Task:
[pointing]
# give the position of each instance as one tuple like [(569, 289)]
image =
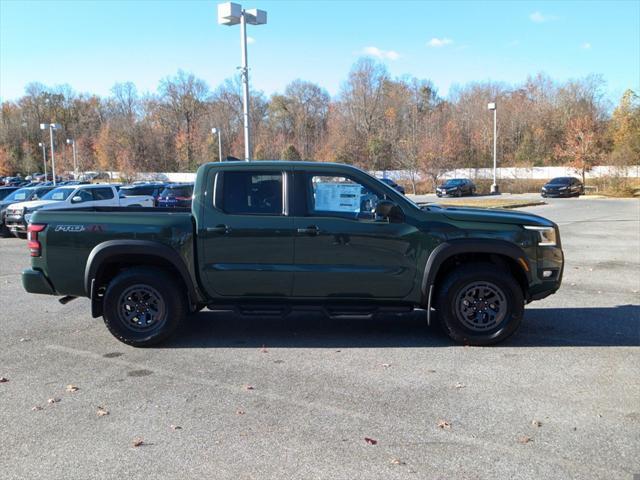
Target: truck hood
[(486, 215), (32, 204)]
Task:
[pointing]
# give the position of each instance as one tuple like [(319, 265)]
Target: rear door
[(103, 196), (341, 249), (245, 234)]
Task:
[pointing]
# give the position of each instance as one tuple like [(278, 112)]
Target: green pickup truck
[(271, 237)]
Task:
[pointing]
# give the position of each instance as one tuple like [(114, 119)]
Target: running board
[(338, 312)]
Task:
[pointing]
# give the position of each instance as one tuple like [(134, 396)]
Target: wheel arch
[(450, 254), (110, 257)]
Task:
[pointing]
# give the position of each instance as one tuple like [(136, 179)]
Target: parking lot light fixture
[(43, 145), (216, 131), (494, 187), (72, 142), (230, 13), (51, 127)]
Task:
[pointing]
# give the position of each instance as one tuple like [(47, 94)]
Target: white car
[(71, 196)]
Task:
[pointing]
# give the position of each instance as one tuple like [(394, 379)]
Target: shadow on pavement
[(548, 327)]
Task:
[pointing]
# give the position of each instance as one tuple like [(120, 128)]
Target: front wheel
[(143, 306), (479, 304)]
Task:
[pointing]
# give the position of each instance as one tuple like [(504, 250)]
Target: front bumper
[(34, 281), (16, 224)]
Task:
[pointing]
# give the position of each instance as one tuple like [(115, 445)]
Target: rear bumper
[(34, 281)]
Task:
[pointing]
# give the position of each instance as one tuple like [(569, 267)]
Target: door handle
[(310, 230), (223, 229)]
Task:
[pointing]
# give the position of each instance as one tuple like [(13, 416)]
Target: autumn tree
[(580, 147), (625, 130)]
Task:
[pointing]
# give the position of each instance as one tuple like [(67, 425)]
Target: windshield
[(19, 195), (561, 180), (58, 194), (452, 183)]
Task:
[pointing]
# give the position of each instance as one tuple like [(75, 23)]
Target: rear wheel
[(143, 306), (479, 304)]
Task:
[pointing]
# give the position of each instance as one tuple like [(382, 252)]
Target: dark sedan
[(563, 187), (177, 195), (153, 189), (456, 187), (393, 184)]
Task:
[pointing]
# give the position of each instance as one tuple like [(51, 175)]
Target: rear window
[(252, 193), (144, 190), (178, 191)]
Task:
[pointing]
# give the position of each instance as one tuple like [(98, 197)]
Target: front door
[(341, 249), (245, 235)]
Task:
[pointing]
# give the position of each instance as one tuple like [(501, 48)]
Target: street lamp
[(216, 131), (232, 14), (494, 187), (51, 127), (72, 142), (44, 158)]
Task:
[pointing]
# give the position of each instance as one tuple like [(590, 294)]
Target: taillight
[(183, 199), (32, 237)]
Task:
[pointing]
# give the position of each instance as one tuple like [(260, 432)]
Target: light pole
[(44, 158), (494, 187), (51, 127), (232, 14), (72, 142), (216, 131)]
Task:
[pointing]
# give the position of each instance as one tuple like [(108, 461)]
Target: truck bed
[(71, 235)]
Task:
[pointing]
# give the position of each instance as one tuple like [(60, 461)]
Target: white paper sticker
[(338, 197)]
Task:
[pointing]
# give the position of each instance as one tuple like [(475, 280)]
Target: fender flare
[(114, 248), (454, 247)]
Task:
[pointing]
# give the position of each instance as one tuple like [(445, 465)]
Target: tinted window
[(4, 192), (102, 193), (146, 190), (561, 180), (341, 197), (85, 196), (252, 193), (178, 191)]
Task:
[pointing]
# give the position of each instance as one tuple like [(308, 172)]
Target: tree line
[(375, 122)]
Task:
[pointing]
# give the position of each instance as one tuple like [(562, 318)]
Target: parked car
[(19, 195), (456, 187), (152, 189), (176, 195), (269, 237), (17, 216), (563, 187), (393, 184)]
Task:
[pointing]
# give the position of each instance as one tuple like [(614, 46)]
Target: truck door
[(245, 234), (341, 249)]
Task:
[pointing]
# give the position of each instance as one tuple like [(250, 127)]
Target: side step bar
[(332, 311)]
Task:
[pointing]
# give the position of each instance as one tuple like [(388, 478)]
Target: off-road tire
[(140, 285), (452, 292)]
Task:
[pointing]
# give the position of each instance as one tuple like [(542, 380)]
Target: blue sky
[(91, 45)]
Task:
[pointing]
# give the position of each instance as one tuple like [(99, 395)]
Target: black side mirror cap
[(390, 211)]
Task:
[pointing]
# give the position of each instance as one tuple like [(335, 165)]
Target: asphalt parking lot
[(248, 398)]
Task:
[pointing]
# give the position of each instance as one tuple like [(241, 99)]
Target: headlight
[(546, 235), (563, 188)]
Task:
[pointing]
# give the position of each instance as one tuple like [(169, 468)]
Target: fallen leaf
[(53, 400), (3, 380), (370, 441), (536, 423), (264, 349), (102, 412), (137, 442), (431, 370), (239, 412), (249, 387), (385, 365), (443, 424), (24, 339), (36, 408), (175, 427), (72, 388), (397, 461), (524, 439), (460, 385)]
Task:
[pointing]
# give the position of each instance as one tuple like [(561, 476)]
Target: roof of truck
[(279, 163)]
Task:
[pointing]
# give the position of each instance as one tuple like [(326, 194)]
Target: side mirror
[(389, 211), (76, 199)]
